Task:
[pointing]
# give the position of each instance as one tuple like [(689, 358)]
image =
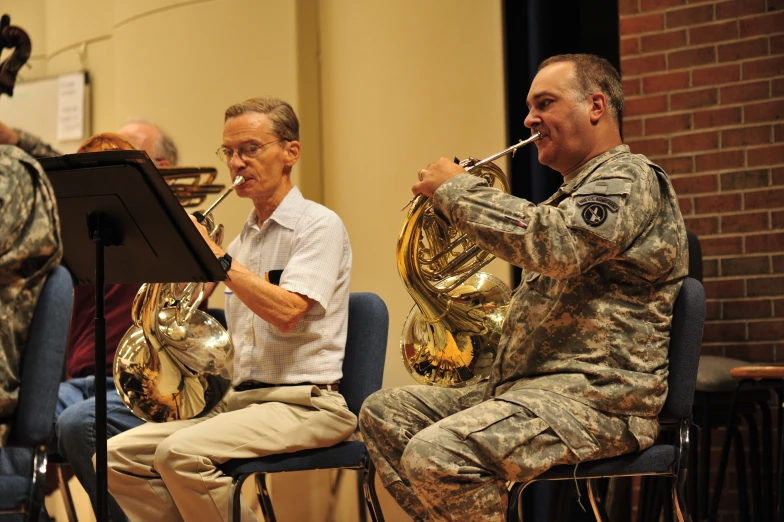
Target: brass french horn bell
[(450, 337), (175, 361)]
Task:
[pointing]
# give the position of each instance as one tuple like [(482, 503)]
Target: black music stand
[(121, 223)]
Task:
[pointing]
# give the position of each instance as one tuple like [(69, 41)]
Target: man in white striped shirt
[(287, 311)]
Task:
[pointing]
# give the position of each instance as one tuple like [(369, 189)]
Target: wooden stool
[(712, 399), (760, 378)]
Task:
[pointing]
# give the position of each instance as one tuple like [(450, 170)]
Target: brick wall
[(704, 83)]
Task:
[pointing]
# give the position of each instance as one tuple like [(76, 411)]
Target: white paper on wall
[(70, 107)]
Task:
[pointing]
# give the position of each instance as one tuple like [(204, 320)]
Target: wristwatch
[(225, 261)]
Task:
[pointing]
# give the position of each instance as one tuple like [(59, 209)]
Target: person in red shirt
[(74, 436)]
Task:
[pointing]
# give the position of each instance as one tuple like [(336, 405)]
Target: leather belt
[(255, 385)]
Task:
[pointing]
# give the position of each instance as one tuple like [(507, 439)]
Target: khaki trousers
[(168, 471)]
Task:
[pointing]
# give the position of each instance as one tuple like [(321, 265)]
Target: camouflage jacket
[(603, 260), (35, 146), (30, 247)]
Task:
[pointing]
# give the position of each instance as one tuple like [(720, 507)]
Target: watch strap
[(225, 261)]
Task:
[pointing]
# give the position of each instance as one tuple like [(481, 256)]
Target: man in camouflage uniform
[(30, 248), (581, 372)]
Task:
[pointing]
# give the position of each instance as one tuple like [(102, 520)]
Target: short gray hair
[(282, 117), (165, 147), (594, 74)]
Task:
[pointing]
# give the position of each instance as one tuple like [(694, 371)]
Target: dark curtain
[(533, 31)]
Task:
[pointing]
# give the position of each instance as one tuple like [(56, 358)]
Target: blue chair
[(23, 461), (662, 459), (363, 371)]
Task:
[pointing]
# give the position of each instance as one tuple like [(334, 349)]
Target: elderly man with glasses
[(287, 311)]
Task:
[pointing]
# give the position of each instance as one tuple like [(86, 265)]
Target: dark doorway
[(533, 31)]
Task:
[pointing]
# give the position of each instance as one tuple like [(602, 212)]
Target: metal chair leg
[(596, 503), (371, 498), (360, 496), (704, 467), (65, 493), (767, 462), (679, 505), (740, 473), (693, 478), (725, 453), (235, 498), (754, 465), (514, 504), (36, 503), (264, 498), (780, 468)]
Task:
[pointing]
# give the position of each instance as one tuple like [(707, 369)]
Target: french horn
[(175, 361), (450, 337)]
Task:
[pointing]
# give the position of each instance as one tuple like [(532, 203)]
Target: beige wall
[(400, 88), (382, 89)]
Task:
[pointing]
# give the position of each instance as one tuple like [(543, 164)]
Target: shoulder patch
[(594, 214)]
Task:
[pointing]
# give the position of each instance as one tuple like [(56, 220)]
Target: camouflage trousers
[(446, 455)]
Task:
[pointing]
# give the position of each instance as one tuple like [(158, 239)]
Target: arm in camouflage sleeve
[(16, 197), (35, 146), (596, 222)]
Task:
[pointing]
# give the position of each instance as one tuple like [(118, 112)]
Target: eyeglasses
[(246, 151)]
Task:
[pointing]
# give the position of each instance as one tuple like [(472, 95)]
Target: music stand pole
[(103, 234)]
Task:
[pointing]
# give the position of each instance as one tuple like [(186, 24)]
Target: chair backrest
[(688, 320), (42, 361), (366, 347), (695, 256)]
